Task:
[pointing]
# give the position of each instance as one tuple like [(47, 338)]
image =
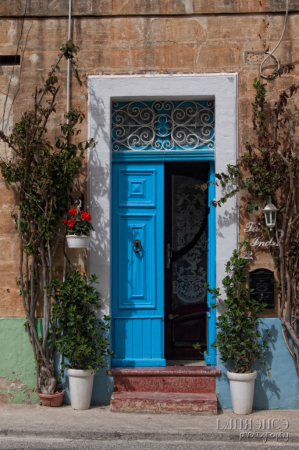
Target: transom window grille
[(163, 125)]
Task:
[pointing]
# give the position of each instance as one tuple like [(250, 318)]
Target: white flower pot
[(80, 383), (241, 391), (74, 241)]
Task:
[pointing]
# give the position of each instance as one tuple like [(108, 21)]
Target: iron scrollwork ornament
[(163, 125)]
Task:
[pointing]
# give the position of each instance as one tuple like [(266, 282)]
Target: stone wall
[(126, 45), (56, 8), (129, 37)]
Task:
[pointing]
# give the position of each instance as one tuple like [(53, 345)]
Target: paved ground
[(64, 444), (37, 427)]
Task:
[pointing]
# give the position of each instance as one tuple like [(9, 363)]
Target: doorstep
[(171, 389)]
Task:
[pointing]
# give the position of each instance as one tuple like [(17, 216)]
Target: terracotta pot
[(74, 241), (51, 400)]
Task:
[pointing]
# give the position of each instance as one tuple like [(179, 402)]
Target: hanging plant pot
[(80, 383), (241, 391), (74, 241), (51, 400)]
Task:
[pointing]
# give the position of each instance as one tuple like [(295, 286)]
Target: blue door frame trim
[(210, 354), (160, 155), (201, 155)]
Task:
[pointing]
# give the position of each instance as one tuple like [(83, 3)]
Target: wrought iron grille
[(163, 125)]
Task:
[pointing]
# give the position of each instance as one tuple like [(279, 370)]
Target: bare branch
[(31, 323)]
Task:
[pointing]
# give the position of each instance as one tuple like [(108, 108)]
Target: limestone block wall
[(126, 37)]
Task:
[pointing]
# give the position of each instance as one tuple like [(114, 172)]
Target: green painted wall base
[(17, 368)]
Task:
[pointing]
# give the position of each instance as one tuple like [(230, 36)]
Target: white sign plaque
[(251, 227)]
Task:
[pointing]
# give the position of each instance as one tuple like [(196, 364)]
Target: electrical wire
[(269, 54)]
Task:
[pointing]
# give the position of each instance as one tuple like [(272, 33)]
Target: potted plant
[(238, 340), (52, 399), (78, 228), (81, 336)]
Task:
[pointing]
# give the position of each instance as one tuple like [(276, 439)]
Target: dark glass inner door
[(185, 240)]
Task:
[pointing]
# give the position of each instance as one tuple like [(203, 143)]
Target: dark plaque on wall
[(262, 281)]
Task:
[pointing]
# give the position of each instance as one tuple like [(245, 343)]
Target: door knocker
[(136, 243)]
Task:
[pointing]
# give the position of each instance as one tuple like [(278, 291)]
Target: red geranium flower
[(71, 222), (72, 211), (86, 216), (64, 222), (82, 212)]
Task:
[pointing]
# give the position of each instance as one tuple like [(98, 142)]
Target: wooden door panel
[(185, 291), (136, 282), (137, 270), (189, 330)]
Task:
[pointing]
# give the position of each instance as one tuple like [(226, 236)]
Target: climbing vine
[(238, 340), (269, 168), (41, 171)]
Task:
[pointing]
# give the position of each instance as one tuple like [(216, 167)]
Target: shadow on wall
[(281, 391), (266, 387), (224, 220), (99, 191)]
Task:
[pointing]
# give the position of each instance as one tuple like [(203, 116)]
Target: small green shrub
[(238, 339), (81, 336)]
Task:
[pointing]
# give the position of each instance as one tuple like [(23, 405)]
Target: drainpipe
[(68, 62), (68, 103), (67, 110)]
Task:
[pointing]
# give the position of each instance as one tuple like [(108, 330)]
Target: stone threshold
[(185, 371)]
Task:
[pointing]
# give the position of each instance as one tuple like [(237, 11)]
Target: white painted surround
[(102, 90)]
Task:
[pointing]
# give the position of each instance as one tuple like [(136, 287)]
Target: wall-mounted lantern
[(270, 214)]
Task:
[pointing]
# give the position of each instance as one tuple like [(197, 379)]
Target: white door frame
[(223, 88)]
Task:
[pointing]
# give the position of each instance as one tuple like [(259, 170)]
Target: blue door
[(138, 264)]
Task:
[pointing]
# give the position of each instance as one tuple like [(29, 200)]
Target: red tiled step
[(157, 402), (191, 379)]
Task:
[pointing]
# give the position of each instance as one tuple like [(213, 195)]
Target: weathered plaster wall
[(17, 368), (126, 37)]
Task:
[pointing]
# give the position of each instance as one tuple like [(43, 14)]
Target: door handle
[(168, 256), (136, 243), (171, 316)]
